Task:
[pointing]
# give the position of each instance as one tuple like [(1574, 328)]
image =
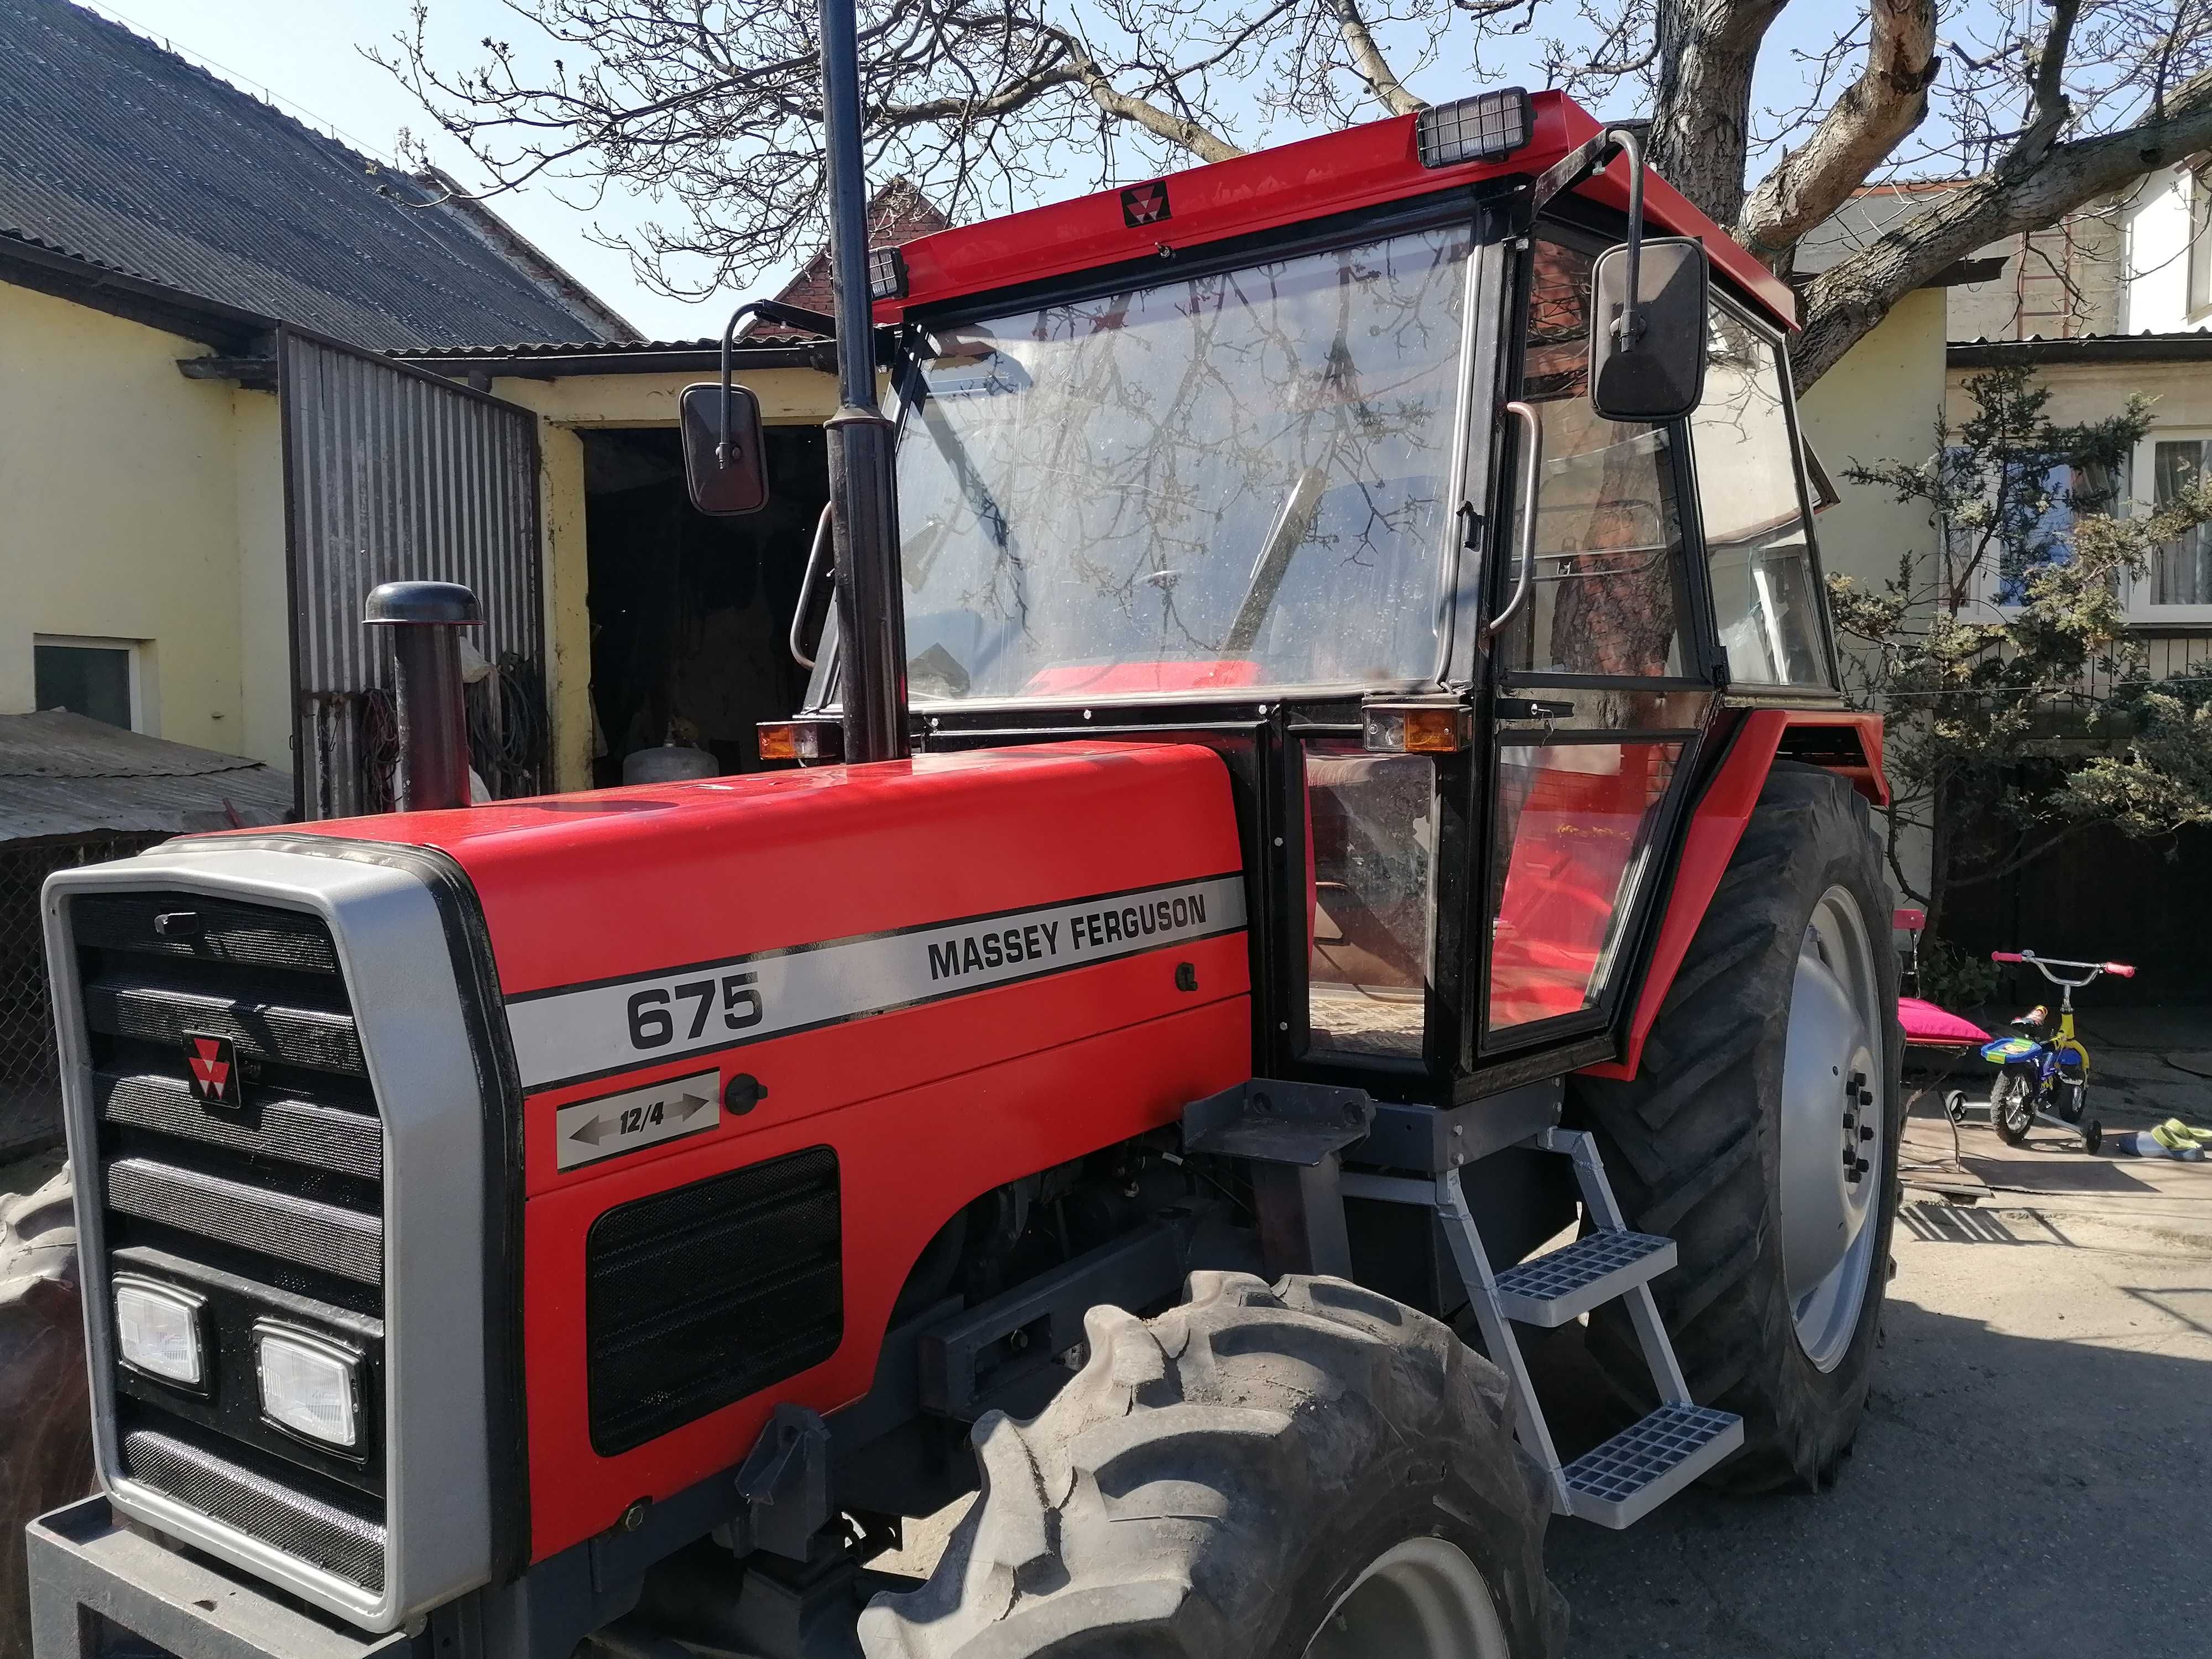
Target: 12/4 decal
[(572, 1033), (590, 1130)]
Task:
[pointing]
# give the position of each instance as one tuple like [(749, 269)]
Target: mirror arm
[(1594, 156), (806, 586), (1532, 463), (1630, 328), (798, 317)]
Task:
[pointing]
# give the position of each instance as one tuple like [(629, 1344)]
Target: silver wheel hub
[(1835, 1115), (1422, 1599)]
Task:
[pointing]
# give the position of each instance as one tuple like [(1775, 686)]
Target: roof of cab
[(1339, 172)]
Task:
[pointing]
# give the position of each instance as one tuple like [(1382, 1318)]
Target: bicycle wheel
[(2012, 1108)]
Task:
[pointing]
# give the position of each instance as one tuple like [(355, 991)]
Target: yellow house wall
[(566, 408), (264, 598), (2180, 393), (1879, 403), (121, 484)]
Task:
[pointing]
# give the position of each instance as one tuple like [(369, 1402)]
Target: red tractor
[(1330, 838)]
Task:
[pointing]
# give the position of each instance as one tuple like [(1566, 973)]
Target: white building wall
[(2155, 298)]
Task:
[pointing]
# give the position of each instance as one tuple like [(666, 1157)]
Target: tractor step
[(1552, 1289), (1620, 1482), (1642, 1465)]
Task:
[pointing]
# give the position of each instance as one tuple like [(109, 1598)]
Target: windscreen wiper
[(1293, 524)]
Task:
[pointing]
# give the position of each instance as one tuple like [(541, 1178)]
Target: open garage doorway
[(691, 616)]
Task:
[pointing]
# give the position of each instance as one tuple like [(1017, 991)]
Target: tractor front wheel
[(1306, 1469), (1761, 1135)]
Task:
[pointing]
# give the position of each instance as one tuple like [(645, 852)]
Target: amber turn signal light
[(1400, 728), (802, 740)]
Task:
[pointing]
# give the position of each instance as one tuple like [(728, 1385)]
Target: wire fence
[(30, 1073)]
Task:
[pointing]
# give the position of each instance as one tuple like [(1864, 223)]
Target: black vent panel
[(336, 1539), (697, 1297)]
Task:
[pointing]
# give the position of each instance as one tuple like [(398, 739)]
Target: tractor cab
[(1362, 463)]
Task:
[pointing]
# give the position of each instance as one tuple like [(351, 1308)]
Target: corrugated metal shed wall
[(391, 475)]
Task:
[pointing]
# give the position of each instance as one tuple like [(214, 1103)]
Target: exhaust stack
[(426, 619)]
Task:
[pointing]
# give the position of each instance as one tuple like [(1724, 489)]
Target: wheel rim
[(1420, 1599), (1835, 1123)]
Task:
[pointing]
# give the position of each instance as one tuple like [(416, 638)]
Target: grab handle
[(1532, 461), (806, 586)]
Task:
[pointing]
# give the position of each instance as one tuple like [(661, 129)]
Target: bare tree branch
[(2037, 184), (1865, 125), (1367, 59)]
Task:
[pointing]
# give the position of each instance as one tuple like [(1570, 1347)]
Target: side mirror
[(725, 464), (1647, 357)]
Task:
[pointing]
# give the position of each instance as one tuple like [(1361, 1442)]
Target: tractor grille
[(267, 1205), (699, 1296)]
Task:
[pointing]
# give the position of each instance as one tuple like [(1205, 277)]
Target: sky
[(305, 58)]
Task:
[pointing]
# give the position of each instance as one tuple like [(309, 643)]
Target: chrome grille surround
[(410, 1034)]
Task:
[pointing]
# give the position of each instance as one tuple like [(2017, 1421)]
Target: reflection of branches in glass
[(1605, 505), (1140, 457)]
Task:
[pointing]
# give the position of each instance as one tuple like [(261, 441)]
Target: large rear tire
[(45, 1424), (1258, 1473), (1734, 1140)]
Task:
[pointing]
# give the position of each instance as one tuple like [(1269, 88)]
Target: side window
[(1764, 597), (1371, 915), (1606, 529)]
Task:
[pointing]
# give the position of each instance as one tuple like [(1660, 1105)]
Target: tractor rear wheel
[(1760, 1133), (1306, 1469)]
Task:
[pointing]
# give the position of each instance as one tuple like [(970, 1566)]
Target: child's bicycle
[(2043, 1075)]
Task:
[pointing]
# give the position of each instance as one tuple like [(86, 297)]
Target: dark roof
[(1869, 212), (64, 774), (553, 360), (124, 158), (2184, 346)]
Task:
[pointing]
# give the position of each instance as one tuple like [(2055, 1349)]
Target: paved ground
[(2033, 1474), (2031, 1478)]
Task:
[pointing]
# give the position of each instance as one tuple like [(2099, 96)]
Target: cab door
[(1601, 679)]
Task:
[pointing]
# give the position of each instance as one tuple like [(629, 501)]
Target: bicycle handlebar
[(2045, 964)]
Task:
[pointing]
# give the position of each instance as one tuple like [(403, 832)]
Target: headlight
[(308, 1385), (157, 1328), (1486, 128)]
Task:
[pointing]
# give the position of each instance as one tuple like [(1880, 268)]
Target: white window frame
[(2141, 498), (145, 718)]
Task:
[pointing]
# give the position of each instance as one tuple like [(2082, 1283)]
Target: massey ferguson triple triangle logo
[(212, 1063), (1145, 204)]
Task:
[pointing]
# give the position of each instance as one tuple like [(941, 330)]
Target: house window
[(95, 677), (2180, 572)]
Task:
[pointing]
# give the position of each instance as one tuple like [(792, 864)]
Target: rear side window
[(1765, 600)]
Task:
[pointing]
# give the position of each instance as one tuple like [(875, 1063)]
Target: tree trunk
[(1701, 124)]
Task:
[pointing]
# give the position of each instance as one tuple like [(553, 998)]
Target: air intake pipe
[(426, 619)]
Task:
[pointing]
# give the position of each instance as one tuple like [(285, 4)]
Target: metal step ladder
[(1619, 1482)]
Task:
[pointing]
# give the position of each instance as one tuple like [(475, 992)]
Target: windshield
[(1241, 479)]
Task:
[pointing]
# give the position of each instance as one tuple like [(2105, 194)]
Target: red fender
[(1715, 825)]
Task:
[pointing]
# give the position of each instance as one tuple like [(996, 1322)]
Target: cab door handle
[(1532, 461)]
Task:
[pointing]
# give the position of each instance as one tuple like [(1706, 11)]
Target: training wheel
[(2092, 1135), (1954, 1105)]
